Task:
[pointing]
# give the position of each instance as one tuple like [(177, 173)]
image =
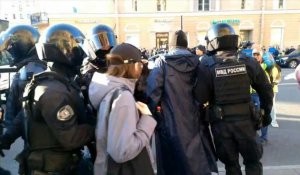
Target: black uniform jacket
[(204, 90)]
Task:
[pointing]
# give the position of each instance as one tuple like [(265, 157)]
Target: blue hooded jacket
[(183, 146)]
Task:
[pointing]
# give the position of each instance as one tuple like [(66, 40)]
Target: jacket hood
[(182, 60), (102, 84)]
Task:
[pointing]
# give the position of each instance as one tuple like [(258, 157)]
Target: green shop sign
[(228, 21)]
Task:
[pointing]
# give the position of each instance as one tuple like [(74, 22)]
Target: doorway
[(162, 40)]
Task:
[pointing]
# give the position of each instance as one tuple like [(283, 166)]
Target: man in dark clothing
[(183, 147), (18, 42), (223, 89), (101, 40), (56, 124), (26, 68)]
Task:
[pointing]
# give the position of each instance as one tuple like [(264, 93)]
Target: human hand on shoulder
[(143, 108)]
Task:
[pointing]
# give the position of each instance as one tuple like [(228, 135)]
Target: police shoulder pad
[(65, 113)]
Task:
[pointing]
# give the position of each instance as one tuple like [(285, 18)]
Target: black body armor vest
[(231, 89), (231, 82)]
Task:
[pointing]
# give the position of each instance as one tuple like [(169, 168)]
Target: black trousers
[(238, 137)]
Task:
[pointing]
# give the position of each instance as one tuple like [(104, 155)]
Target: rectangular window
[(201, 37), (243, 4), (247, 4), (203, 5), (161, 5), (133, 39), (162, 40), (277, 37), (134, 5), (246, 35), (280, 4)]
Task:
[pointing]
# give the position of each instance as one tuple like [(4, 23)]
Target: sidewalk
[(274, 170)]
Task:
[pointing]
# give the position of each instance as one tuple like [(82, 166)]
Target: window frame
[(161, 5), (243, 4), (134, 5), (204, 5), (134, 35), (277, 6)]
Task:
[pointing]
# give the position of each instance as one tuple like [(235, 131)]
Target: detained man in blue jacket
[(183, 145)]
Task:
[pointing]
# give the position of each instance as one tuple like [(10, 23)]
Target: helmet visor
[(4, 42), (5, 58), (16, 44), (219, 30), (103, 40)]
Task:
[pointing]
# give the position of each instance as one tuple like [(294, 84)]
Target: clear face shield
[(219, 30), (103, 40), (221, 37), (5, 56), (15, 46)]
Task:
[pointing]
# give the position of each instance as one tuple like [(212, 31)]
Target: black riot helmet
[(17, 41), (61, 44), (221, 37)]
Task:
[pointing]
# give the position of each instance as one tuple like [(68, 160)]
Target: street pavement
[(281, 153)]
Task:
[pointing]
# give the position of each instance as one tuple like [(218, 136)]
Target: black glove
[(1, 153), (266, 120), (4, 143)]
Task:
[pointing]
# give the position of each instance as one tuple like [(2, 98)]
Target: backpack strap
[(116, 93)]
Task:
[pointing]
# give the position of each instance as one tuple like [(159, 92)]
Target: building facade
[(17, 11), (149, 23)]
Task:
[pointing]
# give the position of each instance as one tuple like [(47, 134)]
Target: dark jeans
[(234, 137)]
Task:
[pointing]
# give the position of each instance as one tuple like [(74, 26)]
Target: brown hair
[(117, 68)]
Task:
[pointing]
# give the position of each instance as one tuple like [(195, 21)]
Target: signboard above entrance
[(228, 21)]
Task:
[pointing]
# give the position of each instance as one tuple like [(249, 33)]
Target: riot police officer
[(55, 120), (223, 88), (18, 45), (101, 39), (19, 42)]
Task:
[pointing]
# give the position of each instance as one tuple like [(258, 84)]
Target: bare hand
[(143, 108)]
